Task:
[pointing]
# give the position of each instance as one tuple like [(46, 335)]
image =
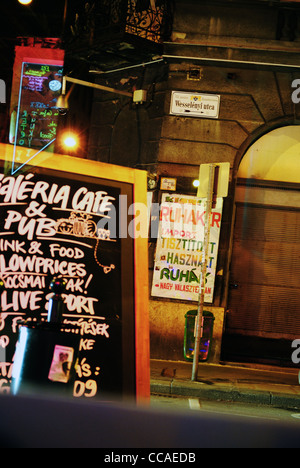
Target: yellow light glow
[(275, 156), (70, 141), (25, 2)]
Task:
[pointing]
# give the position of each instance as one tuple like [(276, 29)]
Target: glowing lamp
[(70, 141), (25, 2)]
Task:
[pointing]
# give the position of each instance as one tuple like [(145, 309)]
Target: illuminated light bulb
[(70, 141), (196, 183), (25, 2)]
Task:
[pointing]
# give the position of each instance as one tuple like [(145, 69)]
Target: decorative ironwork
[(115, 33), (150, 19)]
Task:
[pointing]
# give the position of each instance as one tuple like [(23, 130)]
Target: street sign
[(195, 105), (221, 180), (168, 184)]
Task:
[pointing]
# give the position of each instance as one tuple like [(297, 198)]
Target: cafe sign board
[(72, 218), (195, 105)]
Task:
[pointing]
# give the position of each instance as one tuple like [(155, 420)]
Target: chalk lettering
[(20, 300), (83, 369), (91, 202), (57, 250), (75, 285), (42, 221), (14, 190), (86, 345), (44, 227), (41, 265), (25, 282), (13, 245), (80, 304), (90, 327), (87, 389)]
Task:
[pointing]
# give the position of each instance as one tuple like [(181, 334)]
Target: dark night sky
[(41, 18)]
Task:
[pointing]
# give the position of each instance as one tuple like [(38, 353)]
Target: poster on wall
[(179, 251)]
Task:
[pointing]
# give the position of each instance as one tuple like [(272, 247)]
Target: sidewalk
[(277, 387)]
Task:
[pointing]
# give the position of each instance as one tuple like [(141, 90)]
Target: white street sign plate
[(195, 105)]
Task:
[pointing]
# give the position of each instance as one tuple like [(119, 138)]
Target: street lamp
[(25, 2)]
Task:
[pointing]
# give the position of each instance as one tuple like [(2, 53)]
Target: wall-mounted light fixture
[(62, 102), (139, 96)]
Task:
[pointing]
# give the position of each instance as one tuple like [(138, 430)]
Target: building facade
[(248, 54)]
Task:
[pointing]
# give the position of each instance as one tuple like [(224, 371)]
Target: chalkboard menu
[(37, 116), (74, 225)]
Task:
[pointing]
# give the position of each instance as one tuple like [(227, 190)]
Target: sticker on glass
[(61, 365)]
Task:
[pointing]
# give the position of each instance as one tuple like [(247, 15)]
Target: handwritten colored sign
[(179, 253), (37, 115)]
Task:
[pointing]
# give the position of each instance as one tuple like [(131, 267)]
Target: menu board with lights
[(73, 218), (37, 115)]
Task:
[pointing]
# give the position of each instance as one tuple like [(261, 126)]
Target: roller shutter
[(264, 299)]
